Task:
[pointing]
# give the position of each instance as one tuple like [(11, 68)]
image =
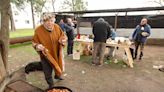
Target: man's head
[(69, 21), (61, 21), (143, 21), (101, 19), (48, 20)]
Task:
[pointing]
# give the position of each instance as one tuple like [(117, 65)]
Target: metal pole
[(78, 26), (126, 19), (115, 23)]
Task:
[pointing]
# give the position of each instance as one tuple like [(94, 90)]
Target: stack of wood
[(87, 50)]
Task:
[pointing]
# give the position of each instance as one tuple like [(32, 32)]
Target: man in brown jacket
[(48, 41)]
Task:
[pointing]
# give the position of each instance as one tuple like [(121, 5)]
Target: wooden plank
[(129, 56), (22, 86)]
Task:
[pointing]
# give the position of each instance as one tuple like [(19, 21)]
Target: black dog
[(33, 66)]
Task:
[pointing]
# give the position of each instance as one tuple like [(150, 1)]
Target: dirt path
[(81, 76)]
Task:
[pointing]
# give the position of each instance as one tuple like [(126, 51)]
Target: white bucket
[(76, 55)]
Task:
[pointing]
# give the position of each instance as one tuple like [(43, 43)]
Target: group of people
[(68, 28), (102, 30), (52, 37)]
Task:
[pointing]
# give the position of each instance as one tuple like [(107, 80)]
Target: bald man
[(69, 28), (139, 36)]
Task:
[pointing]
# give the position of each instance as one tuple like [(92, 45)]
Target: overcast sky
[(113, 4)]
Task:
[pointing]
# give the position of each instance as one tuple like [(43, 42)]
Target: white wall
[(23, 18)]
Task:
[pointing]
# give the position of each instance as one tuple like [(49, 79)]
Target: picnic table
[(111, 43)]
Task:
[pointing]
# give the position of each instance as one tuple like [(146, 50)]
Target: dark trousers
[(47, 69), (70, 47), (137, 45)]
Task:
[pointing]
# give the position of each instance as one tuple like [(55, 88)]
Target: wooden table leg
[(114, 52), (130, 59)]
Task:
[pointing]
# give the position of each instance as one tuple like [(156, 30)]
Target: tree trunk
[(53, 2), (4, 38), (78, 25), (73, 5), (12, 23), (33, 18), (115, 22)]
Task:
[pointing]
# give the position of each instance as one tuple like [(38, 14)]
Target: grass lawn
[(21, 33)]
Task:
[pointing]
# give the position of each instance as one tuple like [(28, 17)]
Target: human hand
[(63, 40), (40, 47)]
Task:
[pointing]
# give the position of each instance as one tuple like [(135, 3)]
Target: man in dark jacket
[(101, 31), (70, 34), (140, 35), (62, 25)]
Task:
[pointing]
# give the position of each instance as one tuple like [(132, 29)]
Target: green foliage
[(75, 5), (37, 4), (20, 4)]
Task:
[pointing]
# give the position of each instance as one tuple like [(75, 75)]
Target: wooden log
[(20, 39)]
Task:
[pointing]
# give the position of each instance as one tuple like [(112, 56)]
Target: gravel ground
[(81, 76)]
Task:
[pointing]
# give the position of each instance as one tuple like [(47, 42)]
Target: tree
[(160, 2), (75, 5), (20, 5), (36, 7), (53, 2), (4, 39)]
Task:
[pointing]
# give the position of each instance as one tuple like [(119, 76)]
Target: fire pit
[(59, 89)]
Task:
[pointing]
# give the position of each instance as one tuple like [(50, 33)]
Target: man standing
[(101, 31), (70, 34), (62, 25), (49, 36), (140, 35)]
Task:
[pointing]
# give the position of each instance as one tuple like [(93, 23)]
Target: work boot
[(141, 55), (93, 63), (99, 64), (161, 69), (50, 82), (50, 86), (135, 56), (58, 77)]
